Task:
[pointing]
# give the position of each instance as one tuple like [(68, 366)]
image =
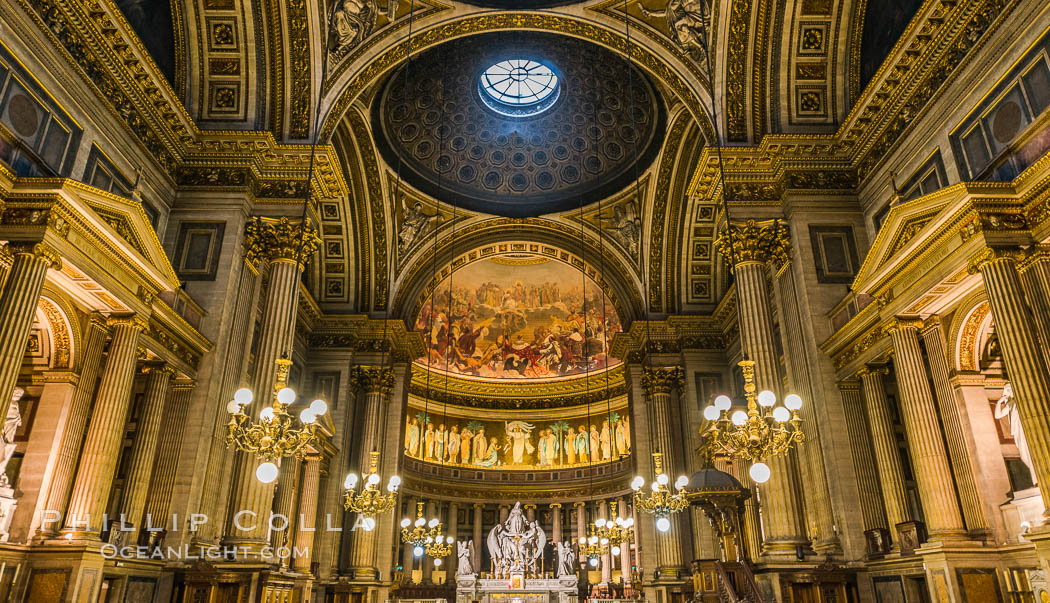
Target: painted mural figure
[(465, 438), (453, 444), (583, 449), (439, 444), (412, 437), (595, 445), (428, 442), (492, 458), (688, 22), (519, 433), (621, 436), (480, 444), (352, 22), (570, 447), (603, 435)]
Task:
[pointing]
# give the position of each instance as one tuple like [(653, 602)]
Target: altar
[(516, 546)]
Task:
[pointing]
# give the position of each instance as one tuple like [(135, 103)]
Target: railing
[(736, 583)]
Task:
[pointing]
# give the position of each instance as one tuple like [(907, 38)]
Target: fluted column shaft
[(957, 432), (158, 503), (145, 447), (94, 342), (376, 383), (556, 522), (306, 524), (478, 508), (1035, 280), (285, 497), (433, 509), (275, 340), (659, 383), (407, 558), (452, 529), (607, 560), (884, 442), (925, 441), (580, 519), (18, 302), (625, 548), (1025, 364), (782, 517), (871, 510), (98, 461)]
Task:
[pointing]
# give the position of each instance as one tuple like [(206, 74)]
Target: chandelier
[(276, 434), (618, 531), (421, 534), (764, 430), (370, 502), (663, 501), (594, 546)]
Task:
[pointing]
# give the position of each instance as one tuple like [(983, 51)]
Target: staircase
[(736, 583)]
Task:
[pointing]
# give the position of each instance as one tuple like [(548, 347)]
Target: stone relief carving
[(11, 424), (624, 226), (689, 22), (352, 22), (415, 223)]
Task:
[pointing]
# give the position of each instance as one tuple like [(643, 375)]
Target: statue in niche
[(352, 22), (11, 425), (624, 226), (465, 556), (566, 560), (689, 22), (1007, 407), (414, 225)]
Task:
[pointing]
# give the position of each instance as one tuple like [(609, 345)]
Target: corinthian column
[(752, 247), (98, 461), (18, 302), (288, 247), (158, 503), (376, 382), (556, 522), (887, 455), (1026, 365), (478, 508), (871, 512), (658, 384), (94, 342), (925, 441), (306, 525), (145, 446), (1035, 280)]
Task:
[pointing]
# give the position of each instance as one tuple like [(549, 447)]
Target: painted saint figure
[(480, 444), (441, 438), (428, 443), (453, 444), (606, 442), (595, 445), (464, 445)]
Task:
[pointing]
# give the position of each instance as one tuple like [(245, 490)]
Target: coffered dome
[(518, 123)]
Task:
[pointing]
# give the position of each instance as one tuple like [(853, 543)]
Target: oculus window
[(519, 87)]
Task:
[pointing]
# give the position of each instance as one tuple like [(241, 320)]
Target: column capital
[(133, 321), (479, 505), (183, 385), (931, 323), (372, 379), (556, 505), (991, 255), (1034, 255), (38, 249), (282, 240), (528, 506), (873, 371), (899, 323), (662, 380), (579, 504), (160, 368), (755, 242), (849, 385), (252, 246)]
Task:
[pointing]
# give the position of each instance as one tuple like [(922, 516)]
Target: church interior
[(525, 301)]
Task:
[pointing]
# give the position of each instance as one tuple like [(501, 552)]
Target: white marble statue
[(1007, 407), (11, 424), (566, 560), (465, 555), (516, 544)]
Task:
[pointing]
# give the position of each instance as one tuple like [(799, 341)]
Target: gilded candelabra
[(421, 534), (276, 434), (370, 501), (617, 531), (594, 546), (763, 431), (662, 501)]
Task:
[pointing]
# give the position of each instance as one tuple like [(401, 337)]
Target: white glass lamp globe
[(286, 396), (433, 523), (583, 540), (266, 473), (266, 414), (395, 480), (243, 396), (681, 482), (767, 398), (368, 524), (450, 540), (437, 563), (420, 522), (350, 482), (307, 416), (406, 522), (711, 413), (637, 482), (619, 521), (319, 407), (793, 401), (781, 414), (604, 541), (663, 479), (592, 540), (655, 486), (629, 523), (739, 417), (233, 407), (663, 524), (373, 479), (390, 487), (594, 562), (430, 539), (600, 522), (723, 402), (417, 551), (616, 550), (759, 473)]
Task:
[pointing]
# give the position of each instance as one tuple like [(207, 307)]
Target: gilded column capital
[(663, 380), (901, 323), (285, 241), (479, 505), (1034, 255), (160, 368), (528, 506), (372, 379), (37, 249), (252, 246), (755, 242), (850, 385), (133, 321), (873, 371), (990, 255), (556, 505), (579, 504)]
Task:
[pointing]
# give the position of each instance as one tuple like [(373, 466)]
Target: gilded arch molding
[(64, 329)]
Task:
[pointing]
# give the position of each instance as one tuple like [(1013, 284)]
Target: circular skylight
[(519, 87)]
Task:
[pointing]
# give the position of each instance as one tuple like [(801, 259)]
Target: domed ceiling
[(449, 142), (518, 316)]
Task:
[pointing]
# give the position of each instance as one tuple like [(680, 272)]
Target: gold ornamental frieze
[(518, 394)]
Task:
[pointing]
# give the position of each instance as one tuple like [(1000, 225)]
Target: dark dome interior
[(588, 144)]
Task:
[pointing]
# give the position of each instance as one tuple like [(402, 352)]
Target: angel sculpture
[(352, 22), (689, 22), (465, 556), (566, 560), (625, 227), (515, 544), (414, 224)]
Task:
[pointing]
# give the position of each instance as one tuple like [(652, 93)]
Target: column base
[(878, 542), (910, 536), (829, 547), (783, 550)]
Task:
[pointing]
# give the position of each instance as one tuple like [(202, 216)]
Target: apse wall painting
[(517, 443), (518, 317)]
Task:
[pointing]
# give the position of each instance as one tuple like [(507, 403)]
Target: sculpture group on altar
[(515, 545)]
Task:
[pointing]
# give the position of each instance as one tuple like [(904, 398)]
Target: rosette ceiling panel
[(519, 123)]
